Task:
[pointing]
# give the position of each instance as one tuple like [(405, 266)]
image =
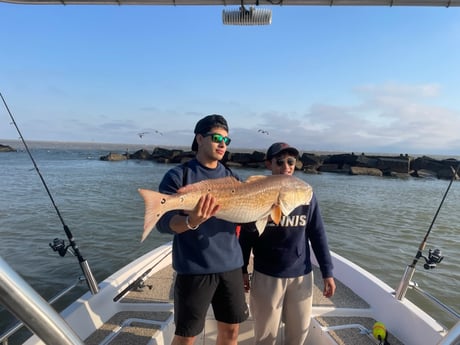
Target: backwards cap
[(206, 124)]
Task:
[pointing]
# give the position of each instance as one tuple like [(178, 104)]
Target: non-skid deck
[(129, 328), (346, 318)]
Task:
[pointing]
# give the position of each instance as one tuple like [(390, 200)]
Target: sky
[(346, 79)]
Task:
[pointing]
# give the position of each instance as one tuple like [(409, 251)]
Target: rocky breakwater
[(6, 148), (402, 166)]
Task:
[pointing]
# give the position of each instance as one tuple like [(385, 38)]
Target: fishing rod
[(139, 283), (434, 257), (58, 244)]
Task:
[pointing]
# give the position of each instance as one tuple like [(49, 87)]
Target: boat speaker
[(243, 16)]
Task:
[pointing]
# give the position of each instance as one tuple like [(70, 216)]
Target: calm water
[(377, 222)]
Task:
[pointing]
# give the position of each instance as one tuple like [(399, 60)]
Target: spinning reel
[(434, 257), (59, 246)]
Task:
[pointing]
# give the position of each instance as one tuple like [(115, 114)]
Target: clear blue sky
[(352, 79)]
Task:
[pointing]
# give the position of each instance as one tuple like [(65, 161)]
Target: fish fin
[(153, 201), (255, 178), (276, 214), (261, 224), (288, 204), (205, 184)]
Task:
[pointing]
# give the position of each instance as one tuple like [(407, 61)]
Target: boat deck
[(345, 317)]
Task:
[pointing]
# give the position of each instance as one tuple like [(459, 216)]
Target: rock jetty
[(6, 148), (402, 166)]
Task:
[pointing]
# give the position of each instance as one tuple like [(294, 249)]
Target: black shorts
[(194, 293)]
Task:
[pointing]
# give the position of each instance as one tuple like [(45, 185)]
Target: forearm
[(180, 223)]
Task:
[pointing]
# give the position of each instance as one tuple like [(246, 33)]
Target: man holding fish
[(200, 202), (206, 254), (282, 282)]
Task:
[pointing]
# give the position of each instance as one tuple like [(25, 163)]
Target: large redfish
[(240, 202)]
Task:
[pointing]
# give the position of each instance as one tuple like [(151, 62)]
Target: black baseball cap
[(278, 148), (206, 124)]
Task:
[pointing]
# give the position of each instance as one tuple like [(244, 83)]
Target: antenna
[(242, 16)]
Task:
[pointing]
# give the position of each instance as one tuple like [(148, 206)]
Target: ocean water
[(376, 222)]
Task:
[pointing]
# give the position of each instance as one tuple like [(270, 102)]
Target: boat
[(239, 14), (135, 306), (390, 3)]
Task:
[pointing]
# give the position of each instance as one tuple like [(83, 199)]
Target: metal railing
[(4, 338), (414, 286)]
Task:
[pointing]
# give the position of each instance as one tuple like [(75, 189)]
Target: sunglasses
[(218, 138), (290, 161)]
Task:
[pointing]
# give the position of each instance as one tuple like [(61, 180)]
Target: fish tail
[(153, 210)]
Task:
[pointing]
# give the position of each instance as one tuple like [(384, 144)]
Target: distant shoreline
[(18, 145)]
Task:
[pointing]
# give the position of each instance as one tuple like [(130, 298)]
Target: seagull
[(158, 132), (142, 134), (262, 131)]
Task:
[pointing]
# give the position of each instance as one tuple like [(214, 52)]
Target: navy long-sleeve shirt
[(283, 250), (213, 247)]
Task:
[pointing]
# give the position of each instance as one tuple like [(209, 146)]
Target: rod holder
[(404, 283), (90, 280)]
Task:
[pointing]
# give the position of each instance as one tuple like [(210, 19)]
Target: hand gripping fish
[(240, 202)]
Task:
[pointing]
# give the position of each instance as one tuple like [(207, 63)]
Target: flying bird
[(158, 132), (142, 134), (262, 131)]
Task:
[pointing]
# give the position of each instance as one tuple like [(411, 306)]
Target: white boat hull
[(90, 312)]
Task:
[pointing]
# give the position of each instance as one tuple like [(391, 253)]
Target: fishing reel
[(59, 246), (434, 257)]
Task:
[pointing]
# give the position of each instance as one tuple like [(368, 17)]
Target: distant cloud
[(400, 90), (390, 118), (383, 118)]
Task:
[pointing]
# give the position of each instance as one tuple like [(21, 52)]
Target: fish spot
[(233, 191), (163, 201)]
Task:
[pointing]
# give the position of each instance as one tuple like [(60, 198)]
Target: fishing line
[(33, 161), (454, 176), (58, 245)]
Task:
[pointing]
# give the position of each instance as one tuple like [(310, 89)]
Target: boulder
[(393, 164), (365, 171), (442, 169), (334, 168), (114, 157), (311, 162), (366, 161), (141, 154), (341, 159), (241, 158), (6, 148)]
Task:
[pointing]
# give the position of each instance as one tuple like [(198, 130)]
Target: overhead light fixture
[(243, 16)]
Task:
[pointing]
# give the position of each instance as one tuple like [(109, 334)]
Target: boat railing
[(415, 287), (19, 324), (452, 337)]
